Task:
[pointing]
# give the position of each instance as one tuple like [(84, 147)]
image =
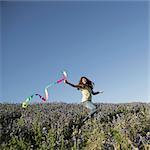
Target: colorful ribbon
[(26, 102)]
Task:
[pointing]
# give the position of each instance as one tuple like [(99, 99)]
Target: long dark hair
[(89, 83)]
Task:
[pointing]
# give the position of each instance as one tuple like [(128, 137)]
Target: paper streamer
[(26, 102)]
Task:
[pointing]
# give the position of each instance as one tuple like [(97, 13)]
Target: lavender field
[(58, 126)]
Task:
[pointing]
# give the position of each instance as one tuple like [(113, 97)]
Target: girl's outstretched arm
[(73, 85), (95, 93)]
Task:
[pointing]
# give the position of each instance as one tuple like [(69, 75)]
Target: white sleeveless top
[(86, 94)]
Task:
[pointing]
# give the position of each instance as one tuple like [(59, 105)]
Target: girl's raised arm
[(73, 85)]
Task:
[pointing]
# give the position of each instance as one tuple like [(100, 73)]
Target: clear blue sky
[(105, 41)]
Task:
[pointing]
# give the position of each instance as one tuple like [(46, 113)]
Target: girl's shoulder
[(81, 86)]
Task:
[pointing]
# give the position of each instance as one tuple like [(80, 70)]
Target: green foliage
[(59, 127), (17, 143)]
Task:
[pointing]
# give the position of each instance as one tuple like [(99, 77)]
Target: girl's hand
[(65, 81)]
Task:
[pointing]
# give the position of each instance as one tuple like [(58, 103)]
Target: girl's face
[(84, 81)]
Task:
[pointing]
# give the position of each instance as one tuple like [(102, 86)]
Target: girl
[(86, 88)]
